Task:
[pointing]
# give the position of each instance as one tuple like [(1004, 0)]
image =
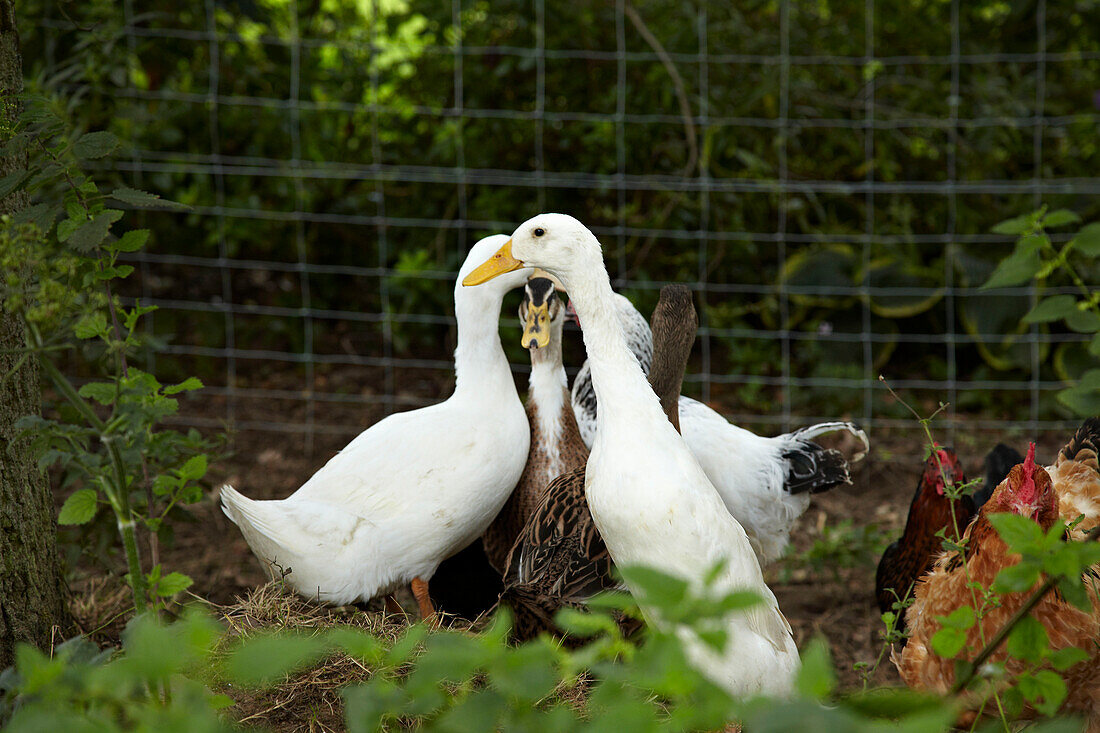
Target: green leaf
[(1045, 690), (91, 326), (1017, 224), (145, 199), (1017, 531), (1083, 321), (187, 385), (666, 592), (1018, 268), (816, 678), (194, 468), (1028, 640), (79, 508), (1016, 578), (263, 659), (1083, 402), (172, 584), (90, 234), (948, 642), (1087, 241), (12, 181), (1052, 309), (1060, 218), (1094, 345), (95, 144), (102, 392), (131, 241), (1063, 659), (961, 618)]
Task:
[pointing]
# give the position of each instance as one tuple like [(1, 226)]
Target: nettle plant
[(61, 262), (1037, 259)]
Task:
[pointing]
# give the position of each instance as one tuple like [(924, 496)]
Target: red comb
[(1029, 462)]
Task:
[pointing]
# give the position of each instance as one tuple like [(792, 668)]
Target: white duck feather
[(415, 487)]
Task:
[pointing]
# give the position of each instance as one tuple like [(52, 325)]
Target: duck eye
[(539, 231)]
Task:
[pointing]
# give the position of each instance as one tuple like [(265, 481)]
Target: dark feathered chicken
[(914, 553)]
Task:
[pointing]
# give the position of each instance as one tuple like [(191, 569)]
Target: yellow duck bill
[(498, 264), (536, 331)]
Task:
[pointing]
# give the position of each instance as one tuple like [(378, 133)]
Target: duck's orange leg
[(420, 592)]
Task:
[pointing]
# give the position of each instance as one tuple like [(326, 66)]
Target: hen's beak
[(498, 264), (536, 332)]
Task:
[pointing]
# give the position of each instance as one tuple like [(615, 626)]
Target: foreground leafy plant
[(1036, 259), (60, 280)]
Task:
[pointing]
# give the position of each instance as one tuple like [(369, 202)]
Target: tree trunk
[(32, 597)]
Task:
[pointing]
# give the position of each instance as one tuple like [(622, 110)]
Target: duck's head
[(541, 311), (557, 243), (482, 251)]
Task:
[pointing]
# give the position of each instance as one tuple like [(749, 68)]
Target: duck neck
[(620, 385), (479, 357)]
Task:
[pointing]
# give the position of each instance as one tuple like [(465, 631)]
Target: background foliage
[(341, 157)]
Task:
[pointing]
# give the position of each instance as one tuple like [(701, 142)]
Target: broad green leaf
[(1017, 531), (145, 199), (1016, 269), (187, 385), (90, 234), (172, 584), (527, 673), (194, 468), (1083, 402), (948, 642), (263, 659), (666, 592), (91, 326), (132, 240), (1016, 225), (961, 618), (1016, 578), (1052, 309), (1094, 345), (1063, 659), (1060, 218), (95, 144), (79, 508), (1083, 321), (1028, 640), (12, 181), (102, 392), (1087, 241), (1045, 690), (816, 678)]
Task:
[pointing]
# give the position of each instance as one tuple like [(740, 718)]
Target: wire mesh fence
[(824, 175)]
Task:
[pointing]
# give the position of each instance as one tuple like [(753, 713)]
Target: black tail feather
[(814, 469), (1085, 446), (998, 463)]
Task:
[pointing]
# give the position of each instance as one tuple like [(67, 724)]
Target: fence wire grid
[(297, 361)]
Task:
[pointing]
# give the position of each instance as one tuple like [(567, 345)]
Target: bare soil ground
[(824, 586)]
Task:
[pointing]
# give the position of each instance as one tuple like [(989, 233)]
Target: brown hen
[(1065, 490)]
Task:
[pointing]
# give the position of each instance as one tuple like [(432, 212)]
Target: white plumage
[(650, 498), (412, 489), (765, 482)]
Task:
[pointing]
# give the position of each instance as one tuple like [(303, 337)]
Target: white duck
[(650, 498), (765, 482), (412, 489)]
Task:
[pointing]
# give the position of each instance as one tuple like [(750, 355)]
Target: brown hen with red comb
[(1037, 493)]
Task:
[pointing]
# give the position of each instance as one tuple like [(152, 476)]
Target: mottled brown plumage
[(556, 445), (912, 555), (1039, 493), (559, 559)]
